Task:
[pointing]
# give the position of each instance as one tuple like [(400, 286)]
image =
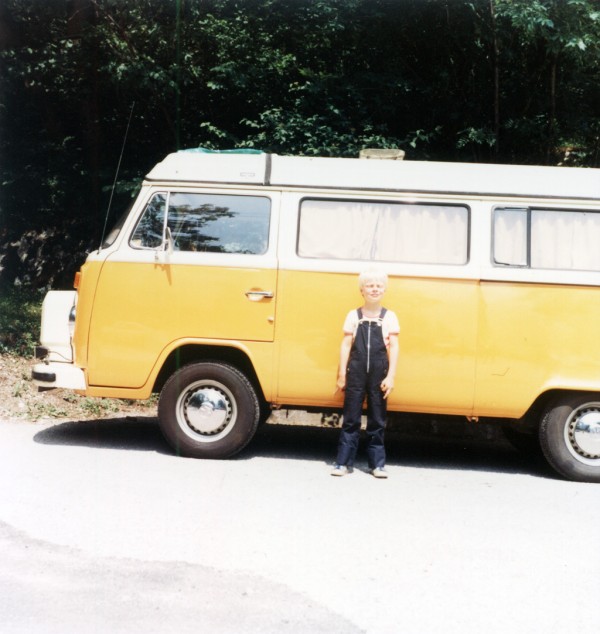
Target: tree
[(460, 80), (556, 43)]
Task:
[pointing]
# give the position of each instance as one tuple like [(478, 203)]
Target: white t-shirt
[(389, 324)]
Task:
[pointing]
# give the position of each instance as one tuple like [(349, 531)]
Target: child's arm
[(344, 356), (387, 385)]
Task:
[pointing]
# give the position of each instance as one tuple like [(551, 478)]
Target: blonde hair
[(372, 274)]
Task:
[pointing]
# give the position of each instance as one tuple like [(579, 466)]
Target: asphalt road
[(102, 529)]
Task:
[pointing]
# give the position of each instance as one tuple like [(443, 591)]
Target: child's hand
[(341, 384), (387, 385)]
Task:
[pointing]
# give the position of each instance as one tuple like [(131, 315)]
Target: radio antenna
[(112, 193)]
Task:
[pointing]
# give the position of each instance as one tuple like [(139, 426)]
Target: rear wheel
[(208, 410), (570, 437)]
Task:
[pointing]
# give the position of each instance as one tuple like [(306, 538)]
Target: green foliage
[(20, 314), (555, 70), (460, 80), (99, 406), (41, 409)]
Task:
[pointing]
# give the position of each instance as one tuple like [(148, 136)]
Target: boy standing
[(368, 358)]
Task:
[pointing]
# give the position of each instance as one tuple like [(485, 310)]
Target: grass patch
[(20, 319)]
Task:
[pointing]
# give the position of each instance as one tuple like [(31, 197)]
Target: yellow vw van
[(225, 287)]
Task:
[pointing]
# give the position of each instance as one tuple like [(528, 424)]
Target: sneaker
[(340, 470), (379, 472)]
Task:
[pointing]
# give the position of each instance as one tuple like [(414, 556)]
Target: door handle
[(256, 296)]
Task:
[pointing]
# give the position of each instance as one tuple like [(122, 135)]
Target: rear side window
[(389, 232), (207, 223), (547, 239)]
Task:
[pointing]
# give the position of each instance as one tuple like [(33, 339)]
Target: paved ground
[(103, 530)]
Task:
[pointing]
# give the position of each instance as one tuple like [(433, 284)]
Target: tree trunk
[(496, 57), (552, 121)]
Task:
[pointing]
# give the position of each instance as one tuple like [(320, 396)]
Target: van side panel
[(438, 346), (438, 320), (310, 314), (534, 338)]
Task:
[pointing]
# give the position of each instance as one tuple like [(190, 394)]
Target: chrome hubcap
[(582, 433), (206, 411)]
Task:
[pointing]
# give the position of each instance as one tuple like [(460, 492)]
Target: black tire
[(570, 437), (208, 410), (265, 413)]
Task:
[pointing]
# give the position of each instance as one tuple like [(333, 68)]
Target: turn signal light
[(76, 280)]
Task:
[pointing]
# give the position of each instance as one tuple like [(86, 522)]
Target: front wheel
[(570, 437), (208, 410)]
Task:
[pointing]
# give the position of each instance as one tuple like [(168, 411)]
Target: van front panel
[(208, 281)]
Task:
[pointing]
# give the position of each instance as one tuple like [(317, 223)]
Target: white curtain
[(510, 237), (565, 240), (384, 232)]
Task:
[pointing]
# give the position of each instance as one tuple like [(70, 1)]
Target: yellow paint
[(86, 290), (466, 347), (260, 353), (437, 339), (141, 310), (533, 338)]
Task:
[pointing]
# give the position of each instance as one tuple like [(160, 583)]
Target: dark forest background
[(506, 81)]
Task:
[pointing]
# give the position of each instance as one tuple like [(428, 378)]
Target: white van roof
[(368, 174)]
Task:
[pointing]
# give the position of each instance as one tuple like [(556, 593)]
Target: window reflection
[(207, 223)]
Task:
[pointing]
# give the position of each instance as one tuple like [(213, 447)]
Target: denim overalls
[(367, 367)]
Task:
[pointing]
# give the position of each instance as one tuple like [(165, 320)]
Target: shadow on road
[(440, 451), (307, 442), (136, 434)]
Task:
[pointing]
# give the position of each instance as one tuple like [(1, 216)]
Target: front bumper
[(55, 374)]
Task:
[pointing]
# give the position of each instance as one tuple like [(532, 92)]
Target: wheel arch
[(532, 418), (192, 353)]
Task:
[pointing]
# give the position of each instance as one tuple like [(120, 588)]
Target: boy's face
[(372, 290)]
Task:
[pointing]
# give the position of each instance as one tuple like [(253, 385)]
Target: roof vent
[(389, 154)]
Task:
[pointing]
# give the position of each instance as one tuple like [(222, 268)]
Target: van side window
[(547, 239), (148, 233), (511, 237), (387, 232), (219, 223), (207, 223)]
